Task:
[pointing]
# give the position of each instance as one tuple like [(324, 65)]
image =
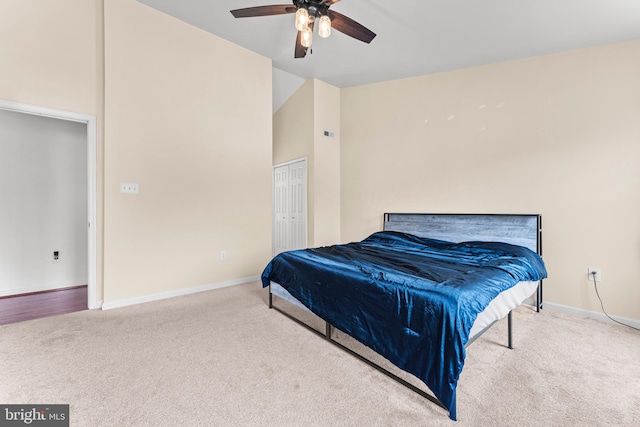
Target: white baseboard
[(589, 314), (179, 292)]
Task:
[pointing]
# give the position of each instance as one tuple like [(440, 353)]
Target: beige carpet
[(222, 358)]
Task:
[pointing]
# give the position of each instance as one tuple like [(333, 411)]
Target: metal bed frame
[(328, 336), (534, 244)]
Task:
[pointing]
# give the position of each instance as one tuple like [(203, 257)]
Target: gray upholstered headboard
[(517, 229)]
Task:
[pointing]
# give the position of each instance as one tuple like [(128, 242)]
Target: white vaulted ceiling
[(414, 37)]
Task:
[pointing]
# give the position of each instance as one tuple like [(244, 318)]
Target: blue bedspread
[(412, 300)]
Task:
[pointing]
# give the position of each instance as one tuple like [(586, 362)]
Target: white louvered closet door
[(289, 207)]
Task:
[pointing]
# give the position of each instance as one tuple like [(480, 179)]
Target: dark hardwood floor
[(17, 308)]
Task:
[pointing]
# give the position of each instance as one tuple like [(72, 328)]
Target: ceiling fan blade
[(279, 9), (330, 2), (350, 27), (300, 51)]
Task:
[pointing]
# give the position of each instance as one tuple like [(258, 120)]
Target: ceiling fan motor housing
[(315, 8)]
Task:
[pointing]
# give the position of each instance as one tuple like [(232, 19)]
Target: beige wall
[(293, 126), (298, 132), (326, 112), (293, 139), (557, 135), (48, 52), (188, 117), (51, 56)]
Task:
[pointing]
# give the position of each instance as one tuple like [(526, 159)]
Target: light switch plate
[(129, 188)]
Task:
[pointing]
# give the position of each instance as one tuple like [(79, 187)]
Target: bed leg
[(328, 331), (539, 297), (270, 298), (510, 330)]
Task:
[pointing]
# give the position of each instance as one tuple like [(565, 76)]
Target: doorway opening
[(89, 242)]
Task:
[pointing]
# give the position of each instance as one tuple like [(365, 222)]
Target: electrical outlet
[(597, 272), (56, 256), (223, 255)]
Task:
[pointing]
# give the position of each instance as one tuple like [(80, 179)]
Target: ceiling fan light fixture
[(307, 12), (302, 19), (307, 38), (324, 28)]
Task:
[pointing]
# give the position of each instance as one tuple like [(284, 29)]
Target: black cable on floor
[(602, 305)]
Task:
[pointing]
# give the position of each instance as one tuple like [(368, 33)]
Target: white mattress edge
[(498, 308), (501, 305)]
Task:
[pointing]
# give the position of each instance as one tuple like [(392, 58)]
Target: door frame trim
[(92, 137), (290, 162)]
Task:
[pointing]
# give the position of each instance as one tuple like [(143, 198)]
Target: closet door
[(289, 206), (280, 208), (297, 205)]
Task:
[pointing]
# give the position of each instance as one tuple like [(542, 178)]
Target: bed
[(419, 291)]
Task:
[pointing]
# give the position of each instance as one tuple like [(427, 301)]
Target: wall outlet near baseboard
[(598, 273)]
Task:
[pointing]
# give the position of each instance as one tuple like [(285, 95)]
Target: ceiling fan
[(307, 13)]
